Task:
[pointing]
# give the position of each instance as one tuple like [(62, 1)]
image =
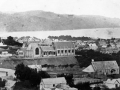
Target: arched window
[(37, 51)]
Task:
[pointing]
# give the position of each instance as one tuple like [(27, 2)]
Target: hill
[(40, 20)]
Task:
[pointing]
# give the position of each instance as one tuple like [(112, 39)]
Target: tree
[(2, 83), (96, 88), (24, 73), (43, 74), (83, 86), (68, 77), (10, 41)]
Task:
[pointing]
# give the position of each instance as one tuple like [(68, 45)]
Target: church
[(37, 50)]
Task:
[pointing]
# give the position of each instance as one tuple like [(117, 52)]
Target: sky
[(108, 8)]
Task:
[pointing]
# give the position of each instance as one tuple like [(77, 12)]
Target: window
[(58, 51), (37, 51), (65, 51), (54, 53), (69, 51), (44, 53), (72, 51), (20, 53), (49, 53), (61, 51), (116, 85)]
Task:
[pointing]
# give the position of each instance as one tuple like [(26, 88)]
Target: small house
[(52, 82), (112, 83)]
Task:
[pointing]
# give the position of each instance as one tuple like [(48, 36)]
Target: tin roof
[(59, 80), (47, 48), (62, 45), (101, 65)]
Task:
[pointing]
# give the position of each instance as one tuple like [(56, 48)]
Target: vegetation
[(83, 86), (29, 77), (68, 77), (11, 41), (68, 37), (2, 83), (87, 55)]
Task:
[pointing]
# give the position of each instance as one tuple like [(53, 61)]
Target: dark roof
[(102, 65), (62, 45)]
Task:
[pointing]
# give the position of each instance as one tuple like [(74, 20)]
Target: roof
[(47, 41), (35, 66), (112, 81), (10, 83), (1, 44), (28, 39), (101, 65), (62, 45), (86, 79), (54, 80), (89, 69), (47, 48), (10, 71)]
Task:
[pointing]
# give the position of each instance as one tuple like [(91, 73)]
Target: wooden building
[(103, 67), (36, 49), (64, 48)]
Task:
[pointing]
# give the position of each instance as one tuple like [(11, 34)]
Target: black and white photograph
[(59, 44)]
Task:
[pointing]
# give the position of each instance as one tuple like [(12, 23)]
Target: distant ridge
[(41, 21)]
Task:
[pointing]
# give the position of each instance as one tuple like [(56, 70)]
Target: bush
[(83, 86)]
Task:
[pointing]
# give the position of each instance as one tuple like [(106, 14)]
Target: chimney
[(92, 60)]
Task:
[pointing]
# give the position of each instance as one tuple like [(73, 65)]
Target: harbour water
[(95, 33)]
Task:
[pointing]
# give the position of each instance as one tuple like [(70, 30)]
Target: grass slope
[(11, 63)]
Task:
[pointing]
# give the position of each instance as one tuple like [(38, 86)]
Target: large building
[(36, 49)]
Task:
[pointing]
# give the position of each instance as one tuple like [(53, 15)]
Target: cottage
[(103, 67), (103, 43), (93, 46), (7, 72), (112, 83), (64, 48), (52, 82)]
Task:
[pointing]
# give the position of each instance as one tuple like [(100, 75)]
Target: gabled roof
[(54, 80), (88, 69), (47, 48), (112, 81), (28, 39), (62, 45), (10, 83), (101, 65)]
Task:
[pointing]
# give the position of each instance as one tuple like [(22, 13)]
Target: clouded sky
[(109, 8)]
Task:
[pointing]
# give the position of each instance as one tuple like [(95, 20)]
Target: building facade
[(36, 50)]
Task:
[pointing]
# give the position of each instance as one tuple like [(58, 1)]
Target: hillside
[(40, 20), (12, 62)]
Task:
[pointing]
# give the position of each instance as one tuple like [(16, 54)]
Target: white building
[(112, 83), (52, 82)]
